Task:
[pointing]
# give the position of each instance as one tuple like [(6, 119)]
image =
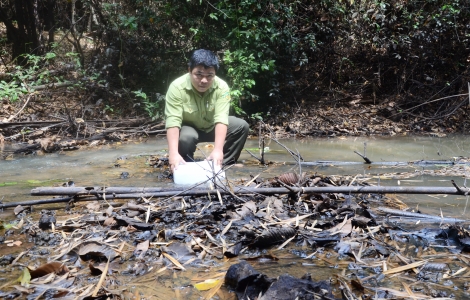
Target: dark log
[(367, 160), (99, 190), (128, 122), (51, 86), (28, 123), (35, 202), (386, 163), (97, 193), (168, 192)]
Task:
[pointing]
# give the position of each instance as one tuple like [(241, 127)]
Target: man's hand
[(217, 156), (174, 160)]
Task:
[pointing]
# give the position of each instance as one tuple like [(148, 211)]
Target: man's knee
[(245, 126), (188, 136), (187, 140), (239, 125)]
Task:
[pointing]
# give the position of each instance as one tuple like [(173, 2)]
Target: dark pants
[(237, 132)]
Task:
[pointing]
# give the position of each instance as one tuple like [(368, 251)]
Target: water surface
[(104, 166)]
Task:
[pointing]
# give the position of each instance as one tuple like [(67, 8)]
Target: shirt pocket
[(211, 107), (191, 114), (190, 108)]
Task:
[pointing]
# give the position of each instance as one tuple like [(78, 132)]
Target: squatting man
[(197, 110)]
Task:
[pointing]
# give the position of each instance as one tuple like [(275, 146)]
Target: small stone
[(47, 218)]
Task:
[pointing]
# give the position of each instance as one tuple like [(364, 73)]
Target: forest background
[(292, 63)]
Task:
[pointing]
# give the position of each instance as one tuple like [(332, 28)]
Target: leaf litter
[(216, 246)]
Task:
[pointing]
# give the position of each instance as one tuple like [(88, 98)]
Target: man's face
[(201, 78)]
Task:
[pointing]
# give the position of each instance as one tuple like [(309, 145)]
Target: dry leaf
[(109, 222), (95, 249), (207, 284), (25, 277), (52, 267), (131, 228), (93, 206), (226, 228), (109, 211), (286, 242), (173, 260), (15, 243), (141, 249), (343, 228), (100, 282), (404, 268), (20, 224), (214, 290), (18, 209)]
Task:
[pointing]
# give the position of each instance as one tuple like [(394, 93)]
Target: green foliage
[(74, 58), (129, 23), (33, 73), (281, 50), (154, 109), (11, 91), (240, 68), (256, 31), (8, 183), (16, 87), (258, 116), (108, 108)]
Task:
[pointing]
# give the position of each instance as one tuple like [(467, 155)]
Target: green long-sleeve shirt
[(185, 106)]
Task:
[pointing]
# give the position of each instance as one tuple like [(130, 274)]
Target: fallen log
[(386, 163), (168, 192), (36, 202), (51, 86), (99, 190), (110, 193), (134, 122)]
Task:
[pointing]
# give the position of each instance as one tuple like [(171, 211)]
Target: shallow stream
[(105, 166), (329, 156)]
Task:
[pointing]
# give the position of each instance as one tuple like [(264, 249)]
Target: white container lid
[(196, 172)]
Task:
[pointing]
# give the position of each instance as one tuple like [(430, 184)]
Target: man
[(197, 110)]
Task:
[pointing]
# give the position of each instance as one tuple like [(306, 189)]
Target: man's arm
[(172, 136), (217, 154)]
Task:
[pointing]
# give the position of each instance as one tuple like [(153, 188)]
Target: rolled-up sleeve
[(222, 104), (173, 107)]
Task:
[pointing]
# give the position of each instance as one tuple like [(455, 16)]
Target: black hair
[(205, 58)]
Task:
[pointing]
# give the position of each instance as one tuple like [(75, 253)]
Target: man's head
[(202, 67), (205, 58)]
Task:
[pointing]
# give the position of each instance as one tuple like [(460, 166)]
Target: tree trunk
[(25, 36), (48, 14)]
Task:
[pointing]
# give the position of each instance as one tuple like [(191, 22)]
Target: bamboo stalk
[(385, 163), (98, 190), (98, 193), (137, 192)]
